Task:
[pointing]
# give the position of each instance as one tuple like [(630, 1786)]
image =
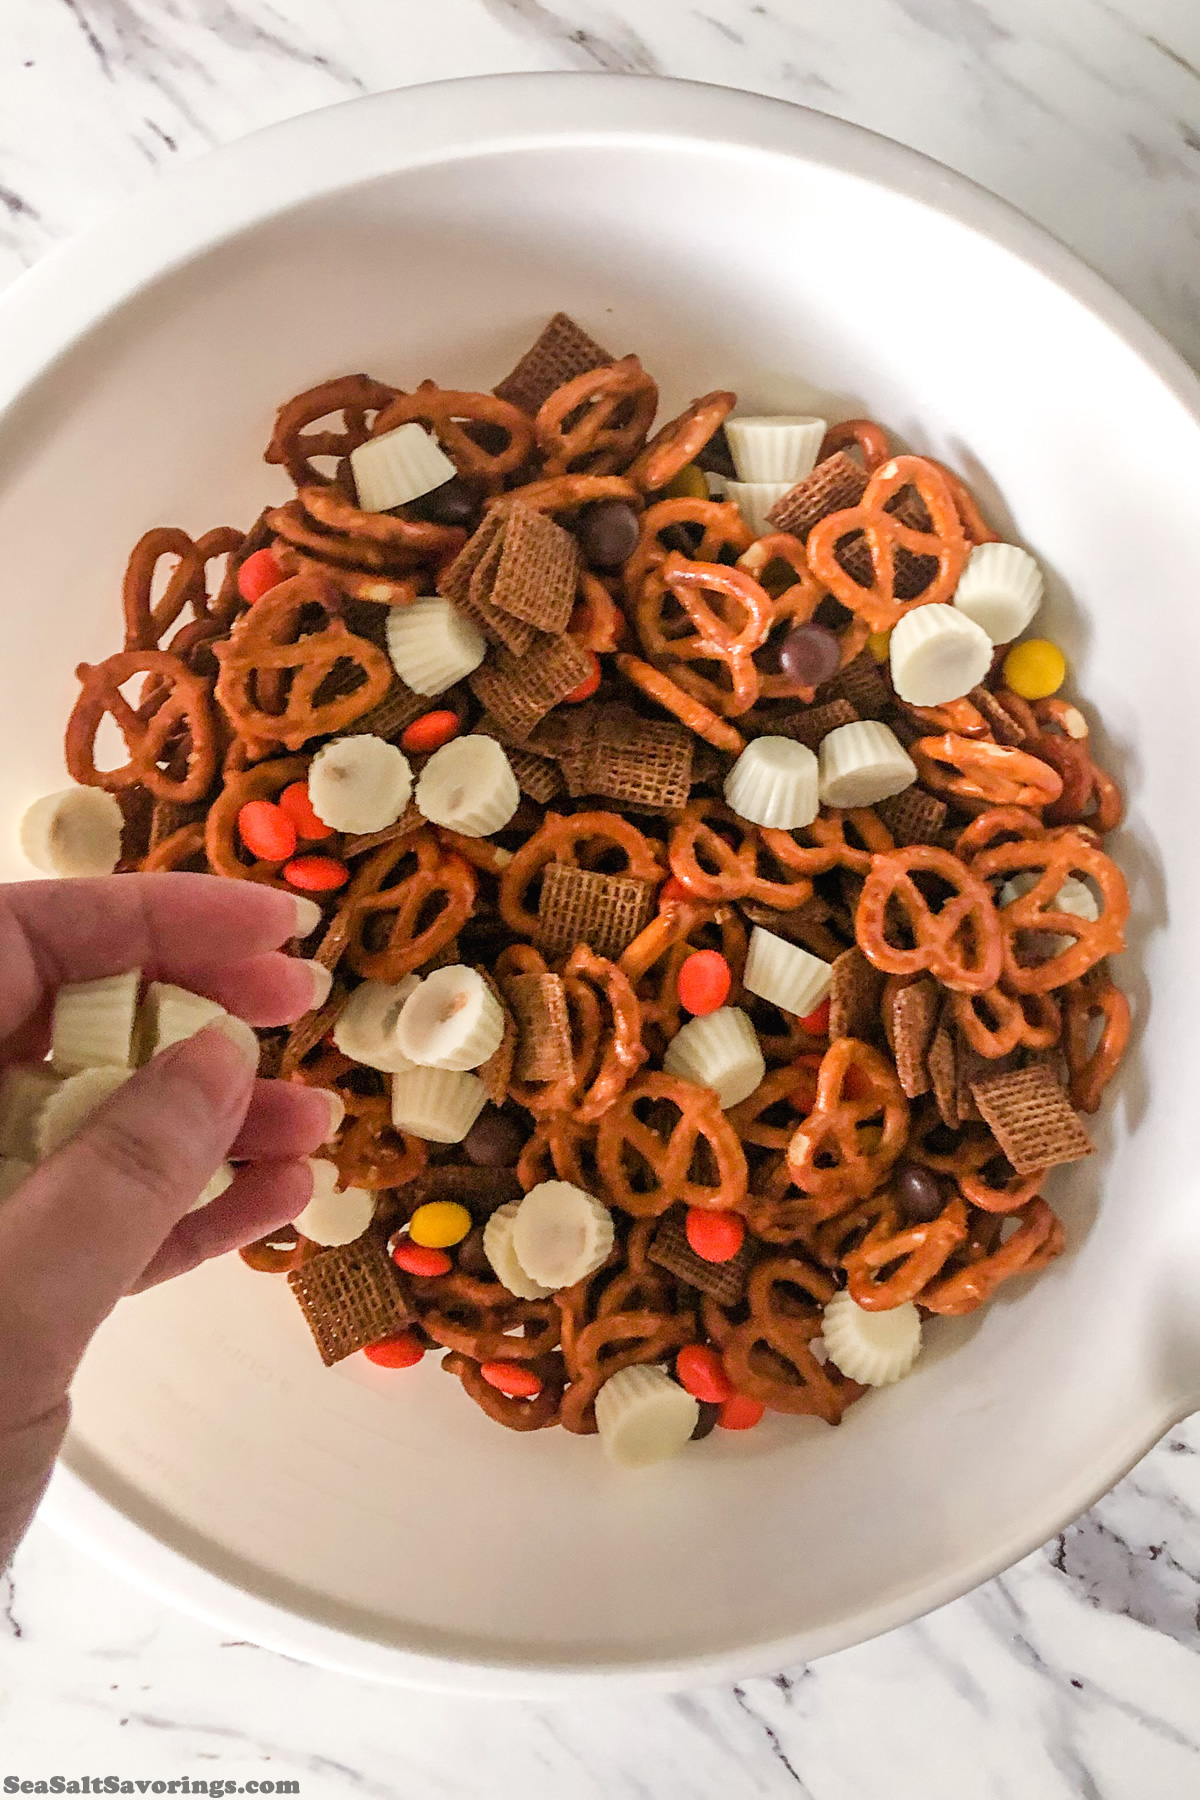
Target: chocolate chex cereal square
[(644, 764), (911, 1025), (454, 582), (499, 627), (539, 1004), (1031, 1118), (496, 1072), (913, 816), (562, 351), (351, 1296), (536, 775), (835, 485), (537, 573), (726, 1282), (863, 684), (519, 691), (854, 994), (811, 723), (581, 906)]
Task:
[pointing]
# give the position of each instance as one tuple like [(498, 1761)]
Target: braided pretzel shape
[(794, 605), (449, 414), (961, 944), (1036, 1242), (1095, 999), (769, 1357), (646, 1167), (827, 1157), (968, 769), (147, 619), (176, 709), (294, 445), (578, 840), (1051, 860), (721, 526), (394, 889), (884, 534), (597, 422), (718, 857), (680, 441), (895, 1262)]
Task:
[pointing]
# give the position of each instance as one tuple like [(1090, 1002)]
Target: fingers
[(171, 925), (266, 990), (89, 1220), (263, 1197), (285, 1120)]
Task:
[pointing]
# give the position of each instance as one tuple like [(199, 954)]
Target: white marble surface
[(1078, 1673)]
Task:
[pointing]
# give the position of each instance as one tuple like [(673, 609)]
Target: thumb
[(78, 1233)]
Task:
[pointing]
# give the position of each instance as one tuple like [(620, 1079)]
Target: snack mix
[(712, 875)]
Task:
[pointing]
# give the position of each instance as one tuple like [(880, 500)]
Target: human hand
[(108, 1213)]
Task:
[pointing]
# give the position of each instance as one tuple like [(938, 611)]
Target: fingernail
[(322, 979), (337, 1109), (241, 1035), (308, 915)]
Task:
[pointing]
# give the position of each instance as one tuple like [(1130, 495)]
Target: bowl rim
[(192, 209)]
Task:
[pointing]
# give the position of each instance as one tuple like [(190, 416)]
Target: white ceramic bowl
[(377, 1521)]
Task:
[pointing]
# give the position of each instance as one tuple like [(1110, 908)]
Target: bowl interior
[(383, 1503)]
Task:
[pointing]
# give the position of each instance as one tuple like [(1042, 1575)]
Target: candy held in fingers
[(398, 466), (75, 833), (359, 784), (716, 1236), (469, 786), (333, 1215), (785, 974), (451, 1020), (1035, 669), (774, 783), (432, 645), (214, 1187), (863, 762), (875, 1348), (1001, 588), (499, 1249), (644, 1417), (938, 654), (720, 1051), (24, 1091), (72, 1104), (365, 1029), (561, 1234), (775, 447), (703, 982), (93, 1023), (169, 1014), (440, 1105)]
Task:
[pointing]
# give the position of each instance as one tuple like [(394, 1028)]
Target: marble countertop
[(1077, 1674)]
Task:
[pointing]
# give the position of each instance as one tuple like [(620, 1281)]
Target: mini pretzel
[(279, 1252), (717, 856), (769, 1357), (868, 438), (998, 825), (973, 522), (479, 1319), (596, 622), (515, 1413), (696, 1161), (559, 1146), (698, 718), (726, 616), (584, 840), (450, 414), (597, 422), (179, 711), (884, 534), (222, 843), (960, 944), (1094, 1000), (794, 605), (767, 1122), (183, 849), (415, 540), (1089, 794), (1051, 860), (566, 493), (1036, 1242), (962, 769), (829, 1157), (680, 441), (653, 960), (371, 1152), (293, 445), (623, 1052), (827, 842), (962, 717), (382, 589), (270, 638), (996, 1022), (147, 619), (617, 1341), (721, 527), (409, 899), (1002, 1192), (894, 1262)]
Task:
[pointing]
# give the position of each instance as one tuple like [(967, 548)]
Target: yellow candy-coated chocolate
[(439, 1224), (1035, 669), (689, 484), (879, 644)]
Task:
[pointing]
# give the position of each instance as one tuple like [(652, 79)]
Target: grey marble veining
[(1075, 1675)]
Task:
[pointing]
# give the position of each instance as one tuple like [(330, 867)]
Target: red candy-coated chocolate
[(588, 685), (702, 1373), (266, 831), (817, 1022), (298, 806), (517, 1380), (419, 1259), (316, 874), (716, 1236), (398, 1352), (258, 575), (429, 732), (672, 891), (705, 979), (740, 1413)]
